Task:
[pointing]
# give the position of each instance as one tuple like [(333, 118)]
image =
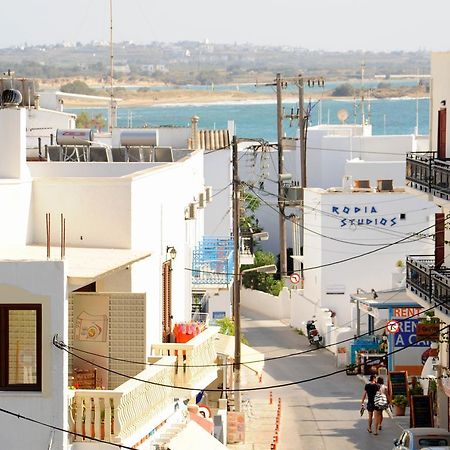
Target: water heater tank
[(135, 138), (74, 136)]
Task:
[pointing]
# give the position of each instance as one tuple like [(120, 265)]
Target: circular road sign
[(295, 278), (393, 326)]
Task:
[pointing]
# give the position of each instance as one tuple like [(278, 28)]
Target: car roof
[(429, 431)]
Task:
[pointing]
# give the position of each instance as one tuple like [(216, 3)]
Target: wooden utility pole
[(302, 137), (237, 278), (281, 192)]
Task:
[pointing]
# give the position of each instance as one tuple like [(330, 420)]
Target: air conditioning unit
[(208, 194), (347, 182), (201, 200), (191, 212), (385, 185)]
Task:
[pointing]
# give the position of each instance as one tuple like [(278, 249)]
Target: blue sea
[(258, 119)]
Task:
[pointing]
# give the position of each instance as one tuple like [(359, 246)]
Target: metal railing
[(212, 262), (428, 282)]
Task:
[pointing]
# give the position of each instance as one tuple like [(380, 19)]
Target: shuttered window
[(166, 300), (20, 347), (442, 133)]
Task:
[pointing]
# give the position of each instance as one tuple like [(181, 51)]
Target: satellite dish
[(342, 115)]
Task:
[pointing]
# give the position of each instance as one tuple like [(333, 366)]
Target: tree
[(226, 326), (84, 120), (77, 87), (260, 281), (343, 90), (249, 222)]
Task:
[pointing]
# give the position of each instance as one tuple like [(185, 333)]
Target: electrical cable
[(249, 389), (63, 430), (392, 232), (289, 355)]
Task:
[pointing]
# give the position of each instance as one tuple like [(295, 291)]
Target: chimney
[(439, 230), (13, 152)]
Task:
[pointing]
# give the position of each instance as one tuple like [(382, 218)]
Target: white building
[(94, 255), (353, 239), (428, 279)]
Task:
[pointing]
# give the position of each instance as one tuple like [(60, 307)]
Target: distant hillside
[(198, 63)]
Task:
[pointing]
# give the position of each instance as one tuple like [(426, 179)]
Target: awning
[(194, 436), (251, 358), (83, 264)]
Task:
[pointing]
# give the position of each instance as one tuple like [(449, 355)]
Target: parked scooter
[(313, 333)]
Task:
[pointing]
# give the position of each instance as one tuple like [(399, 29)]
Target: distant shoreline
[(171, 96), (184, 99)]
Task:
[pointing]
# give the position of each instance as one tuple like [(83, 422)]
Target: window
[(402, 216), (20, 347)]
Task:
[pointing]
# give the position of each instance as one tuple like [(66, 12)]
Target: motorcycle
[(314, 337)]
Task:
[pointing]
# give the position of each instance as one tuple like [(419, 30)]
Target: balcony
[(127, 414), (419, 169), (195, 361), (427, 283), (212, 263), (429, 174)]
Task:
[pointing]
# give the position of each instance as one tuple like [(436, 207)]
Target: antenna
[(363, 116), (112, 104), (342, 115)]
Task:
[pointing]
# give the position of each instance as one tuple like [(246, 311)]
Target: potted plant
[(400, 402), (428, 327), (351, 369), (400, 264)]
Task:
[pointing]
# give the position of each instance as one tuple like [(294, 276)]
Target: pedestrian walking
[(370, 390), (382, 402)]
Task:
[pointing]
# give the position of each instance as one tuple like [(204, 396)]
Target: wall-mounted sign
[(353, 216)]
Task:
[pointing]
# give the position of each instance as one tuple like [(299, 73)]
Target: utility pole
[(302, 137), (281, 190), (237, 278)]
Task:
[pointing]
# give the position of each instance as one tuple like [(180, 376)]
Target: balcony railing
[(212, 262), (195, 360), (419, 169), (429, 283), (429, 174), (131, 410)]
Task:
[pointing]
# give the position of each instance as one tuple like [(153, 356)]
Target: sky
[(335, 25)]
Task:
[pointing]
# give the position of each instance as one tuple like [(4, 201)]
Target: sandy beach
[(175, 95)]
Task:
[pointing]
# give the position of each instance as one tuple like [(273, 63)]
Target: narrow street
[(320, 415)]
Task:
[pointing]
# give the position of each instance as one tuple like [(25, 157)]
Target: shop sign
[(353, 216), (406, 337)]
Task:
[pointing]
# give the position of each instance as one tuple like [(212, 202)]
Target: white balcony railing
[(115, 415), (195, 366)]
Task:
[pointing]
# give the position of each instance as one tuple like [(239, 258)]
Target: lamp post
[(271, 268)]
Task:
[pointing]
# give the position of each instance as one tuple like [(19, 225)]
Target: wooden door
[(166, 300), (442, 134)]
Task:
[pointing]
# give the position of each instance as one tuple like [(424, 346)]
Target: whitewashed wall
[(38, 282), (269, 305), (440, 92), (326, 213)]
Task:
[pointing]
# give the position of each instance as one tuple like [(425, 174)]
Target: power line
[(63, 430), (258, 388), (62, 346), (331, 215)]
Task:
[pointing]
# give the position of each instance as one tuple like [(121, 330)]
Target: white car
[(422, 438)]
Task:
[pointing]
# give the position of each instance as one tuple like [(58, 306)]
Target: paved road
[(319, 415)]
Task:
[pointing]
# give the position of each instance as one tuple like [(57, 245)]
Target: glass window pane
[(22, 347)]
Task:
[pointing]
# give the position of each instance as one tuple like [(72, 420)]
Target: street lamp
[(271, 268)]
